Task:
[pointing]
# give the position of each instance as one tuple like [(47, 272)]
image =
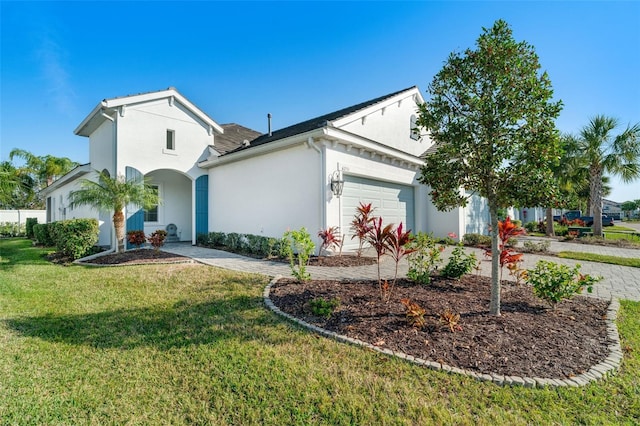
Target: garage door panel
[(393, 202)]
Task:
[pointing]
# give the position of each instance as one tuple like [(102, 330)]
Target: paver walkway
[(619, 281)]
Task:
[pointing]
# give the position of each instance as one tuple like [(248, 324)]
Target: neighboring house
[(229, 178), (611, 208)]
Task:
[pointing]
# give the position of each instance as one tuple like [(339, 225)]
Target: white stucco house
[(229, 178)]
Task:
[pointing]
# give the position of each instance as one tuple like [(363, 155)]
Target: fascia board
[(262, 149), (97, 110), (413, 92), (147, 97), (370, 145)]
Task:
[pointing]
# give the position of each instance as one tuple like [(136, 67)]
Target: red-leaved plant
[(361, 224), (136, 238), (508, 256), (330, 238), (156, 239), (398, 245), (378, 237)]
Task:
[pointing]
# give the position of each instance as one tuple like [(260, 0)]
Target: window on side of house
[(414, 132), (151, 215), (171, 139)]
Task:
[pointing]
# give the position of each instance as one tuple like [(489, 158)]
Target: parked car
[(588, 220)]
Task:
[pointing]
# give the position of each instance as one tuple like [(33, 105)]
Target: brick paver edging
[(605, 368)]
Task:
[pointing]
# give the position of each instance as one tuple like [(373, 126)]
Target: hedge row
[(255, 245), (73, 238)]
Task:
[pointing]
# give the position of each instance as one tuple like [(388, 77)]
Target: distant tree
[(112, 195), (9, 181), (44, 168), (605, 153), (491, 117), (630, 206)]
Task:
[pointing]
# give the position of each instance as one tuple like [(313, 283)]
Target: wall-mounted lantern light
[(337, 183)]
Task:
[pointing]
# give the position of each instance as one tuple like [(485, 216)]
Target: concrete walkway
[(619, 281)]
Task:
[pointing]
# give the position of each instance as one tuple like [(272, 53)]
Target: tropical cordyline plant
[(378, 237), (398, 246), (330, 238), (508, 256), (361, 224)]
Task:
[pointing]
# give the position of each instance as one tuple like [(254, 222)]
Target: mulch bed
[(138, 257), (341, 261), (528, 340)]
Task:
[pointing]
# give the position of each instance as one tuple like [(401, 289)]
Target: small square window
[(171, 139)]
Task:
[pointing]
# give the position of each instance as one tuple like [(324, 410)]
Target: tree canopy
[(491, 116), (603, 153)]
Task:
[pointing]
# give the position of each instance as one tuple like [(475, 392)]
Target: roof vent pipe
[(269, 122)]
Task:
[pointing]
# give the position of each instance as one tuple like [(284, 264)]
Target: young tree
[(603, 153), (113, 194), (491, 117)]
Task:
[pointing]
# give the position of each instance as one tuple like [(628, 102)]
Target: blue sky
[(238, 61)]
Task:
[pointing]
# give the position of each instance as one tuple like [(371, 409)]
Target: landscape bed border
[(605, 368)]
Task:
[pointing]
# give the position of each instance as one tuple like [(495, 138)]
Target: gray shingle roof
[(233, 137), (315, 123)]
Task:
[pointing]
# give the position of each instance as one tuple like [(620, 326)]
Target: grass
[(593, 257), (188, 343), (619, 228)]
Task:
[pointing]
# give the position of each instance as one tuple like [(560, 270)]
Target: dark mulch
[(341, 261), (138, 257), (527, 340)]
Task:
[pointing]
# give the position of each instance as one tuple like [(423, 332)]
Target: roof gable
[(106, 109), (323, 120)]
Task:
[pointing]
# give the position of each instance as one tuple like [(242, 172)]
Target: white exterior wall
[(267, 194), (354, 164), (61, 211), (102, 149), (391, 125), (476, 216), (440, 224), (142, 138), (175, 191)]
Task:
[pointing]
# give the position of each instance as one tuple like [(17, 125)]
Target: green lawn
[(602, 258), (176, 344)]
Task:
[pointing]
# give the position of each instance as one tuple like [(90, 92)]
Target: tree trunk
[(118, 225), (494, 306), (550, 231), (595, 196)]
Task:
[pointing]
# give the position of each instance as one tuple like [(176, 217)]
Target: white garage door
[(393, 202)]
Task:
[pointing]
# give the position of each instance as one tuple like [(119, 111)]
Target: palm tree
[(44, 168), (112, 195), (603, 154), (9, 181)]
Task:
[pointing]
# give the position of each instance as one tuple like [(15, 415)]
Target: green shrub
[(42, 234), (11, 229), (31, 221), (425, 259), (531, 226), (460, 263), (75, 237), (560, 230), (553, 282), (537, 247), (517, 223), (322, 307), (217, 239), (298, 246), (235, 242), (202, 239), (476, 240)]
